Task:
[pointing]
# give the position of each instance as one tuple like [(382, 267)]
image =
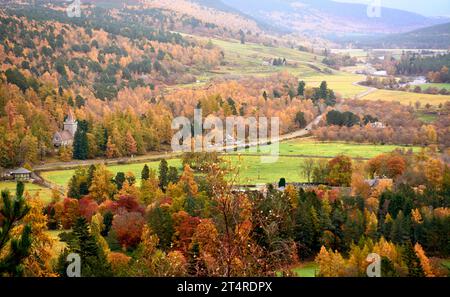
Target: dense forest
[(195, 224), (435, 67), (114, 74)]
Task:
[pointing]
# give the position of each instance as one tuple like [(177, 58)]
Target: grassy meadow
[(339, 82), (251, 168), (306, 269), (407, 98), (248, 59), (438, 86), (62, 177), (310, 147)]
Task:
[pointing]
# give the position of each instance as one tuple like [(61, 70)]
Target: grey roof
[(63, 136), (20, 171)]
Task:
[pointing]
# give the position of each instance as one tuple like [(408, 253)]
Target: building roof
[(20, 171), (70, 117), (64, 135)]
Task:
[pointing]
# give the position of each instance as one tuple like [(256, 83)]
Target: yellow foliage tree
[(434, 172), (39, 261), (424, 261), (331, 264), (102, 188), (188, 181)]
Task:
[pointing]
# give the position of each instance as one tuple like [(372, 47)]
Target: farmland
[(438, 86), (249, 166), (251, 59), (62, 177), (309, 147), (407, 98), (248, 58)]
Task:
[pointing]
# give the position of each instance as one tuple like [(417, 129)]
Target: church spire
[(70, 116)]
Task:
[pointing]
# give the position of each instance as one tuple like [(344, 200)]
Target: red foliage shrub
[(185, 226), (67, 211), (126, 203), (88, 207), (128, 228)]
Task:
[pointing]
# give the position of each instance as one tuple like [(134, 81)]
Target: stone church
[(65, 137)]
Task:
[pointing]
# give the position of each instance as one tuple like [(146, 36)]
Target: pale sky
[(424, 7)]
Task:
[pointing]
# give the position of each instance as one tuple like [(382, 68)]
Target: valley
[(94, 109)]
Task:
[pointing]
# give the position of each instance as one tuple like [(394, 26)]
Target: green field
[(309, 147), (307, 269), (407, 98), (356, 52), (44, 193), (62, 177), (252, 171), (248, 59), (251, 168), (438, 86), (426, 117)]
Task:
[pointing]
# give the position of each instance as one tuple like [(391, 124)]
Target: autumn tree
[(434, 172), (340, 171), (102, 187), (130, 144), (331, 264), (161, 222), (78, 184), (39, 261), (128, 228), (111, 149), (424, 261)]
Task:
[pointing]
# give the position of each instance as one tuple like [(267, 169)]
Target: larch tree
[(39, 261), (424, 261), (102, 187), (111, 149), (131, 144)]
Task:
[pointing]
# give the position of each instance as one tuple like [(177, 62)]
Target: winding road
[(366, 92)]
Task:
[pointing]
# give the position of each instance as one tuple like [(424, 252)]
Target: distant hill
[(221, 6), (435, 37), (326, 16)]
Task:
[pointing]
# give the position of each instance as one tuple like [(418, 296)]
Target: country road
[(365, 93)]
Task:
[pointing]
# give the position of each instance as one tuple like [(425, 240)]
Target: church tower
[(70, 124)]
